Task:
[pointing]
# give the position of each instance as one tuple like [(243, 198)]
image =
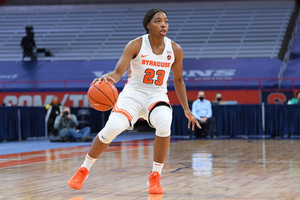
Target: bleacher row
[(101, 34)]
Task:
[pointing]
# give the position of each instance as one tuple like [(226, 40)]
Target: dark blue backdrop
[(21, 122), (232, 121)]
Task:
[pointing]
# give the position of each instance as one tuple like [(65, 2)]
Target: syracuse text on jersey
[(156, 63)]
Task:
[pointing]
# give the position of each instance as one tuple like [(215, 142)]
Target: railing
[(72, 2), (238, 83), (289, 51), (191, 84), (34, 85)]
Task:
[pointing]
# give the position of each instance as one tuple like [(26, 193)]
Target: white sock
[(88, 162), (157, 167)]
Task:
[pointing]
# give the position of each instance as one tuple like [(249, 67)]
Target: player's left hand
[(192, 119)]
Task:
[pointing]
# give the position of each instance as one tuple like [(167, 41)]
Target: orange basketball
[(102, 95)]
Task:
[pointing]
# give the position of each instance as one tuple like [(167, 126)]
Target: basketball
[(102, 96)]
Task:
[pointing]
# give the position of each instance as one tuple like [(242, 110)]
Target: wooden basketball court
[(196, 169)]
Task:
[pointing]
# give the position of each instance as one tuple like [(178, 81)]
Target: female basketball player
[(150, 58)]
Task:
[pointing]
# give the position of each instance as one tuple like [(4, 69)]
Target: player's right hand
[(104, 78)]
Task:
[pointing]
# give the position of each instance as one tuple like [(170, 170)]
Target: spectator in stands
[(66, 124), (201, 109), (295, 100), (28, 44), (218, 99), (53, 110)]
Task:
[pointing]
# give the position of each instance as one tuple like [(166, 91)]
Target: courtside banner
[(79, 99), (72, 99), (198, 74), (231, 73)]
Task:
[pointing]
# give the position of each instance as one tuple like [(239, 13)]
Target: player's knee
[(116, 124), (161, 119), (163, 129)]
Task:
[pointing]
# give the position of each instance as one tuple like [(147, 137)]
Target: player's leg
[(116, 123), (126, 112), (160, 118), (161, 148)]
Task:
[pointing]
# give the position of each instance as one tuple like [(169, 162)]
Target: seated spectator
[(66, 124), (295, 100), (201, 109), (28, 44), (53, 110), (218, 99)]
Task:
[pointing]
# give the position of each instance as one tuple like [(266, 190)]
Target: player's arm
[(130, 51), (179, 85)]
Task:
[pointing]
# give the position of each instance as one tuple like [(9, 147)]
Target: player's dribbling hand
[(104, 78), (192, 119)]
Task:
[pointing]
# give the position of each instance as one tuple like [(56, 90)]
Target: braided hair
[(149, 15)]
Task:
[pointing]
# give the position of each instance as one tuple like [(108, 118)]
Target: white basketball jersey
[(150, 72)]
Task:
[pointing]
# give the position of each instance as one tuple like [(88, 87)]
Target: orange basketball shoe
[(154, 183), (76, 181)]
